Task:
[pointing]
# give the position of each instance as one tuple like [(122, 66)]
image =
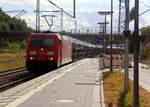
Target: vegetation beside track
[(115, 95), (11, 65), (11, 59)]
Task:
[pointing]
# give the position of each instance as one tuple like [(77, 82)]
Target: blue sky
[(86, 12)]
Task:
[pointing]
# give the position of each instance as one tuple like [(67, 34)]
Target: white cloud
[(146, 21), (86, 11)]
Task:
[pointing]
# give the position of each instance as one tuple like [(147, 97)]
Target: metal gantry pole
[(126, 55), (136, 55), (38, 16), (111, 65), (119, 17), (61, 20), (74, 8), (121, 22), (75, 25)]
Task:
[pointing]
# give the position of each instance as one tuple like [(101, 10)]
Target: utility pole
[(105, 38), (102, 30), (102, 26), (111, 66), (126, 55), (108, 13), (38, 16), (105, 13), (136, 55)]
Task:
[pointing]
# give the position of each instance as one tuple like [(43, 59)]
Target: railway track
[(16, 76), (15, 83), (13, 77), (11, 61), (12, 71)]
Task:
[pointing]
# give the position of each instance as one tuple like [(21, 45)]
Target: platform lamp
[(105, 13), (102, 27)]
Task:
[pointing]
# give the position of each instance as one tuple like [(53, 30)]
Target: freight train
[(52, 50)]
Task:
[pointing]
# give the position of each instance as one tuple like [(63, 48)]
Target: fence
[(118, 61)]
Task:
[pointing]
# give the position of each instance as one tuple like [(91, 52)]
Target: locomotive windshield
[(35, 42)]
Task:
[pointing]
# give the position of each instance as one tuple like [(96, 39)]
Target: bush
[(145, 54), (12, 44), (4, 26)]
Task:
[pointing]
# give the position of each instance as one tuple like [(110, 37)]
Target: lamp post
[(108, 13), (126, 55), (103, 25)]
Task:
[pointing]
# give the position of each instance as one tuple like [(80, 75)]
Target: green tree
[(12, 23), (145, 30), (4, 26)]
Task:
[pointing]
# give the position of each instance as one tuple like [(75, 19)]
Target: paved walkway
[(144, 75), (77, 88)]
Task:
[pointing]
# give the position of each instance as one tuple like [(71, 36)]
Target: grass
[(11, 58), (11, 65), (8, 52), (146, 62), (8, 55), (115, 95)]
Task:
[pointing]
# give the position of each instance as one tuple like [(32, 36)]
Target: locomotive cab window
[(35, 42)]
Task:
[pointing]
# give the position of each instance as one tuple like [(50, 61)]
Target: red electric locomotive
[(47, 51)]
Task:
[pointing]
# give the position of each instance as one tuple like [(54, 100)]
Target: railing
[(90, 31)]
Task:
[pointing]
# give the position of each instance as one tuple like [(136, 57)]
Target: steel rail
[(14, 83), (11, 71)]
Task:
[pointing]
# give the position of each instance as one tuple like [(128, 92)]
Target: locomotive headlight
[(50, 53), (31, 58), (50, 58), (33, 52)]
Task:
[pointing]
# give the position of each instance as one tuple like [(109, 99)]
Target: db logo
[(41, 53)]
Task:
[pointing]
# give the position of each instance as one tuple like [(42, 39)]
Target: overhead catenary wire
[(19, 12), (60, 8), (145, 4), (146, 10), (27, 4)]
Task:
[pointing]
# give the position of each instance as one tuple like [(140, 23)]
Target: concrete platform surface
[(144, 75), (77, 88)]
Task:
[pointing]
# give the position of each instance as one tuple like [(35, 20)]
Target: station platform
[(75, 88)]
